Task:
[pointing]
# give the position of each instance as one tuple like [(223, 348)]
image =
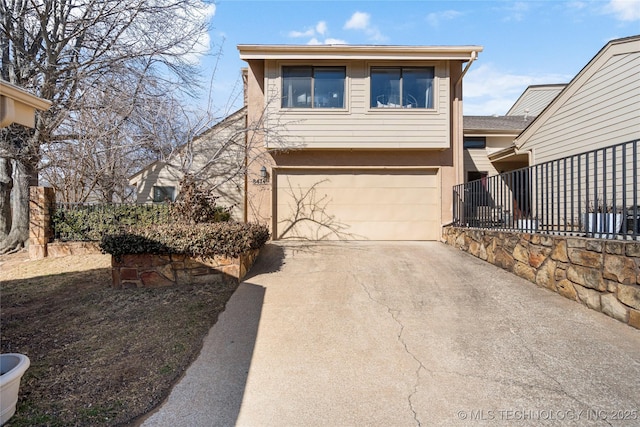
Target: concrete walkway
[(404, 334)]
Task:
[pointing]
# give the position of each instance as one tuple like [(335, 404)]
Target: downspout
[(245, 210), (457, 94), (474, 56), (458, 155)]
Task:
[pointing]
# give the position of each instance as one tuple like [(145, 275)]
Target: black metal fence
[(592, 194), (89, 222)]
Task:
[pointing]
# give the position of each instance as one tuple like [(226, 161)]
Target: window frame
[(162, 189), (402, 68), (313, 68), (482, 139)]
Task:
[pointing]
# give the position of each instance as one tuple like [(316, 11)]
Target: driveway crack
[(394, 313)]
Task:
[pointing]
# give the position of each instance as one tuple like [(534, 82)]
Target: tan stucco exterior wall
[(258, 194), (453, 166)]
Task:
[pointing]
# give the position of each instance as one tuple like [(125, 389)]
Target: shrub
[(205, 239), (91, 222)]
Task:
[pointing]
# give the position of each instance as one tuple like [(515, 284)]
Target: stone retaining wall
[(151, 271), (60, 249), (602, 274)]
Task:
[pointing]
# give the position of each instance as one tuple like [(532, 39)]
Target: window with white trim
[(313, 87), (402, 87)]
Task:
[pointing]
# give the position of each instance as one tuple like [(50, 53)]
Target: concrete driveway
[(404, 334)]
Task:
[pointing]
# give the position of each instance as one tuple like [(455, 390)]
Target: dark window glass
[(474, 142), (163, 194), (328, 87), (296, 87), (395, 87), (385, 87), (313, 87)]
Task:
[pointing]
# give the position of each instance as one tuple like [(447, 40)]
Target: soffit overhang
[(359, 52), (508, 154), (19, 106)]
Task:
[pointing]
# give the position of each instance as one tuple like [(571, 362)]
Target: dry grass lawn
[(99, 356)]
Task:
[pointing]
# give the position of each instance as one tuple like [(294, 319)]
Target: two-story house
[(354, 142)]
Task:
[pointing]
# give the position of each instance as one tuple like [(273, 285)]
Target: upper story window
[(402, 87), (474, 142), (313, 87)]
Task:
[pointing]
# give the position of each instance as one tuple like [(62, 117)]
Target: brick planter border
[(152, 271), (602, 274)]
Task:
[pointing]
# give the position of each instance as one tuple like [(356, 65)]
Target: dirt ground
[(99, 356)]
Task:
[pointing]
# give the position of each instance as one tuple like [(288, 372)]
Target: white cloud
[(315, 41), (361, 21), (334, 41), (321, 27), (199, 13), (307, 33), (358, 21), (625, 10), (516, 11), (435, 18), (489, 91), (316, 33)]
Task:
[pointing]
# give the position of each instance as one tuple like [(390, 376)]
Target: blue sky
[(525, 42)]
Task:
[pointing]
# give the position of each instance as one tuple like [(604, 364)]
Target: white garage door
[(357, 204)]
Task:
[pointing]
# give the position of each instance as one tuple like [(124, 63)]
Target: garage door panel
[(364, 213), (365, 196), (374, 205), (384, 179), (348, 215)]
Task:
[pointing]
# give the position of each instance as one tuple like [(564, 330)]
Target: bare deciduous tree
[(62, 50), (116, 133)]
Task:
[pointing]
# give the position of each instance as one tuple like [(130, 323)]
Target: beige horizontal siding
[(604, 111), (477, 159), (358, 125)]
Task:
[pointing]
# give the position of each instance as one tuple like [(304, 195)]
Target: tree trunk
[(6, 183), (19, 233)]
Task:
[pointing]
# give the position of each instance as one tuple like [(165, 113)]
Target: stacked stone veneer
[(151, 271), (41, 200), (602, 274)]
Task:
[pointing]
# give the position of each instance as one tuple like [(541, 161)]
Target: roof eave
[(503, 154), (499, 132), (524, 136), (314, 52), (21, 95)]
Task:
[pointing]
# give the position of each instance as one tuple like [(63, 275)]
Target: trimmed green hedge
[(205, 239), (91, 222)]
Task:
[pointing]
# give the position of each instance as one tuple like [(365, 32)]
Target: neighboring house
[(600, 107), (216, 158), (584, 147), (369, 142), (535, 99), (19, 106), (486, 135)]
